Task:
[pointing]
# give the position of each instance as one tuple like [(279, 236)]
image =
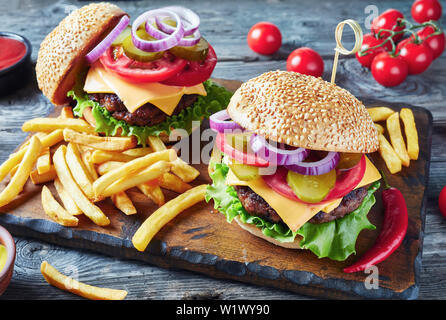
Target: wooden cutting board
[(200, 239)]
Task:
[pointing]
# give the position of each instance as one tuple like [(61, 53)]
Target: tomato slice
[(131, 70), (238, 155), (346, 181), (194, 72)]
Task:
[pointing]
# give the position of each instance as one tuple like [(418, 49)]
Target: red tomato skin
[(306, 61), (138, 72), (435, 43), (389, 71), (195, 72), (264, 38), (417, 56), (369, 40), (387, 20), (442, 201), (425, 10)]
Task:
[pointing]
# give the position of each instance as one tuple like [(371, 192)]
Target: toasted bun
[(258, 233), (304, 111), (61, 54)]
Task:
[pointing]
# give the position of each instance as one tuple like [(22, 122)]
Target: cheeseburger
[(139, 79), (290, 163)]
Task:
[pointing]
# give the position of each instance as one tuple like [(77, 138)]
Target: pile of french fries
[(86, 168), (397, 152)]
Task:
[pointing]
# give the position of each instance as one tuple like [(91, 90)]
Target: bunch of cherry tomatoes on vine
[(394, 49)]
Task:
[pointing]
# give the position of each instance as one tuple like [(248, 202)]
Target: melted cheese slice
[(295, 213), (134, 95)]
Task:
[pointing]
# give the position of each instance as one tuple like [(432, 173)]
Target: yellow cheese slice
[(293, 213), (134, 95)]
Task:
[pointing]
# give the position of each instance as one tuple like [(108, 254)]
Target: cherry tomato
[(306, 61), (436, 43), (418, 56), (425, 10), (116, 61), (389, 71), (264, 38), (388, 20), (194, 72), (368, 41), (442, 201), (346, 181)]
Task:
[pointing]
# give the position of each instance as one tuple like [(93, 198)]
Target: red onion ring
[(322, 166), (276, 156), (162, 44), (97, 51), (218, 122), (192, 19)]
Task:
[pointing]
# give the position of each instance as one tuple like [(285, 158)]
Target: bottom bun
[(258, 233)]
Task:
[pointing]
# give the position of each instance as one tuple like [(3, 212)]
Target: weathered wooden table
[(225, 24)]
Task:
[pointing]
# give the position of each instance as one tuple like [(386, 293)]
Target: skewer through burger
[(290, 163)]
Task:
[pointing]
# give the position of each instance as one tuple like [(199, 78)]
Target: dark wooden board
[(200, 240)]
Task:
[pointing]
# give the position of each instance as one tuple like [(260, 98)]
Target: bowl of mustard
[(7, 258)]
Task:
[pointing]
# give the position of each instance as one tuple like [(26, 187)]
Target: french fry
[(152, 172), (15, 158), (380, 128), (50, 124), (66, 112), (138, 152), (39, 135), (122, 201), (131, 167), (100, 156), (63, 172), (55, 211), (410, 129), (44, 161), (14, 170), (156, 143), (171, 182), (89, 165), (186, 172), (380, 113), (164, 214), (393, 162), (48, 176), (66, 199), (396, 138), (98, 142), (19, 179), (153, 192), (78, 171), (61, 281), (105, 167)]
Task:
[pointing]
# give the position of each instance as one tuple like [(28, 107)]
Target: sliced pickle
[(244, 172), (197, 52), (239, 141), (139, 55), (122, 36), (311, 189), (348, 160)]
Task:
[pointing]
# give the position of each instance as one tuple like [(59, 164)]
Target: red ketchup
[(11, 51)]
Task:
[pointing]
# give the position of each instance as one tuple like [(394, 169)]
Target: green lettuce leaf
[(335, 239), (217, 99)]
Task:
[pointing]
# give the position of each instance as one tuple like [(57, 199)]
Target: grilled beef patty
[(255, 205), (146, 115)]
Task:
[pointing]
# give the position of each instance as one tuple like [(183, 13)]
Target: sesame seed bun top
[(62, 52), (304, 111)]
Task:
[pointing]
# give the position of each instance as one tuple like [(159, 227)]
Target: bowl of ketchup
[(15, 62)]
